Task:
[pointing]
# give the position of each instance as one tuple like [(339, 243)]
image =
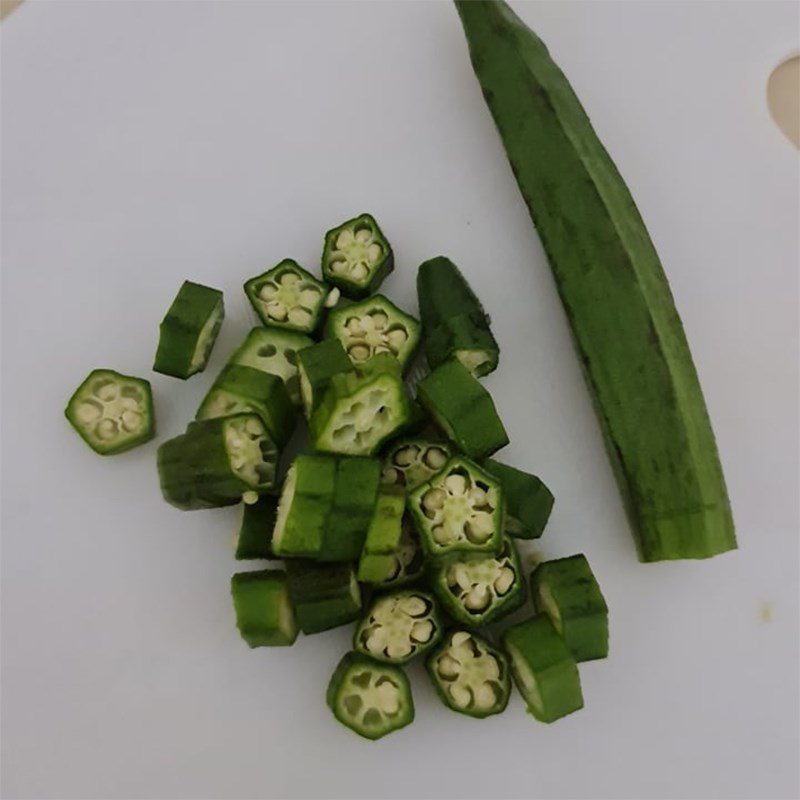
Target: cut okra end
[(374, 326), (264, 613), (477, 590), (411, 462), (112, 412), (369, 697), (287, 296), (399, 626), (357, 257), (470, 675), (459, 509)]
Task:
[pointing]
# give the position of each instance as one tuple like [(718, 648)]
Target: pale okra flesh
[(287, 296), (369, 697), (357, 256), (411, 462), (112, 412), (470, 675), (459, 509), (477, 590), (399, 626), (374, 326)]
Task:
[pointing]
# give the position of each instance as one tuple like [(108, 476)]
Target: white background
[(144, 143)]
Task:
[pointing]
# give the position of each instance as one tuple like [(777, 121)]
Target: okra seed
[(433, 500), (359, 272), (485, 696), (461, 696), (249, 498), (477, 598), (492, 666), (253, 426), (374, 252), (458, 575), (442, 535), (344, 238), (359, 352), (376, 641), (339, 267), (368, 323), (268, 291), (107, 392), (477, 496), (299, 316), (88, 411), (447, 667), (435, 458), (289, 279), (106, 429), (308, 298), (131, 420), (276, 310), (389, 701), (397, 338), (422, 631), (456, 484), (460, 638), (353, 326), (406, 456), (333, 297), (480, 527), (391, 475), (504, 580), (413, 606), (398, 649), (363, 236), (382, 348), (379, 320)]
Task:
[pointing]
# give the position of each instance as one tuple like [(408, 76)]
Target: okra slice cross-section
[(287, 296), (399, 626), (357, 256), (477, 590), (112, 412), (460, 509), (370, 698), (373, 326), (411, 462), (470, 675)]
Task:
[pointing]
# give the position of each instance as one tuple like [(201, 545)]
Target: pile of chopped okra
[(398, 519)]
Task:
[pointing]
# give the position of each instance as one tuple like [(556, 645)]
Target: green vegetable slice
[(324, 596), (216, 462), (316, 366), (477, 590), (543, 668), (189, 330), (254, 539), (357, 256), (112, 412), (411, 462), (264, 614), (370, 698), (528, 501), (374, 326), (274, 351), (617, 299), (406, 563), (361, 409), (470, 675), (378, 562), (459, 510), (399, 626), (566, 590), (455, 324), (287, 296), (463, 409)]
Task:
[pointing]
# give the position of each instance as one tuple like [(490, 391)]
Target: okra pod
[(254, 539), (406, 564), (378, 562), (264, 614), (112, 412), (188, 331), (324, 596), (463, 409), (528, 501), (411, 462), (455, 324), (357, 257), (566, 590), (316, 366), (543, 668), (370, 698), (470, 675)]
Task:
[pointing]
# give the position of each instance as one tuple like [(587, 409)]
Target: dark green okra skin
[(528, 501), (454, 322), (463, 409), (264, 614), (377, 561), (407, 565), (316, 366), (355, 675), (566, 590), (255, 531), (324, 596), (189, 330)]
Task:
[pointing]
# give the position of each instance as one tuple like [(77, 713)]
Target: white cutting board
[(145, 143)]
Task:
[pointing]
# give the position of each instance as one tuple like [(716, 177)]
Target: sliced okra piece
[(406, 564), (566, 590), (399, 626), (254, 539), (470, 675), (216, 462), (528, 501), (459, 510), (304, 507), (188, 331), (361, 409), (477, 590), (274, 351), (264, 614), (357, 257), (411, 462), (287, 296), (324, 596), (240, 389), (456, 326), (374, 326), (112, 412), (463, 409), (543, 668), (316, 366), (377, 561), (370, 698), (354, 498)]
